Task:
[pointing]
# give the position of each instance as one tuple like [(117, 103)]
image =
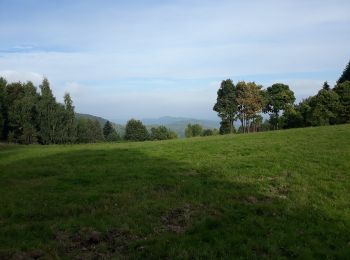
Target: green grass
[(280, 194)]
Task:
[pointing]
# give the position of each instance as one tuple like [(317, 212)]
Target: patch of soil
[(257, 200), (91, 244), (177, 220), (34, 254)]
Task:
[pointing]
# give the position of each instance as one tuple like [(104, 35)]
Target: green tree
[(162, 133), (226, 105), (107, 129), (47, 114), (193, 130), (226, 128), (345, 75), (14, 94), (159, 133), (325, 107), (89, 131), (343, 90), (70, 122), (3, 110), (292, 118), (326, 86), (135, 131), (112, 136), (209, 132), (278, 97)]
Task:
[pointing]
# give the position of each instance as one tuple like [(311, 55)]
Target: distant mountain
[(179, 124)]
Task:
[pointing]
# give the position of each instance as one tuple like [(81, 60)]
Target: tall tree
[(343, 90), (135, 131), (345, 75), (249, 101), (225, 127), (107, 129), (277, 97), (226, 105), (325, 108), (3, 109), (47, 114), (70, 122)]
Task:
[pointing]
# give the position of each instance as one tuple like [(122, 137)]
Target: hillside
[(281, 194), (120, 128)]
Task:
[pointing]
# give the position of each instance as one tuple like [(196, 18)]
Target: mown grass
[(281, 194)]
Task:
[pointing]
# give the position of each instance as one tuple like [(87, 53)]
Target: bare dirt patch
[(91, 244), (178, 220)]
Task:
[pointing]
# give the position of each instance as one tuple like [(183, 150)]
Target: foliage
[(193, 130), (278, 97), (343, 91), (107, 129), (226, 127), (162, 133), (250, 103), (225, 105), (345, 75), (135, 131), (325, 107), (209, 132), (112, 136), (89, 131)]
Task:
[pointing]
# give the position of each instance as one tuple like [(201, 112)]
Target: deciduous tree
[(226, 105)]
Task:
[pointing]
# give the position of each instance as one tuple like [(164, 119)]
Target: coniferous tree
[(107, 129), (345, 75), (326, 86), (70, 122), (47, 114), (343, 91)]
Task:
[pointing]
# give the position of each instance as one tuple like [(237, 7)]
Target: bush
[(136, 131)]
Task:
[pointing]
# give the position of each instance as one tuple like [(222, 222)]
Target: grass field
[(280, 194)]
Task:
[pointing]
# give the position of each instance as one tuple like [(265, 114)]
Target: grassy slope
[(275, 194)]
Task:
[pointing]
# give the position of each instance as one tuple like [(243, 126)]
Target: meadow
[(278, 194)]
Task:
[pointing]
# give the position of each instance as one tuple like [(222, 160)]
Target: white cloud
[(168, 45)]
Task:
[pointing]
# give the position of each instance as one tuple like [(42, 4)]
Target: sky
[(151, 58)]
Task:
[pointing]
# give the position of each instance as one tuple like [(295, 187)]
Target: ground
[(280, 194)]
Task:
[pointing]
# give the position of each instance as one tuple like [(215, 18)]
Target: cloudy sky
[(151, 58)]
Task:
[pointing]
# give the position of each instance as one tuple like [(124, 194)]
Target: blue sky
[(123, 59)]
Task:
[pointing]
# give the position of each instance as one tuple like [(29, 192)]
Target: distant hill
[(120, 128)]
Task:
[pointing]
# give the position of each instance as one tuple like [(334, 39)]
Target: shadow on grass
[(125, 203)]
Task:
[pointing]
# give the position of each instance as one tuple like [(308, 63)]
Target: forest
[(30, 116)]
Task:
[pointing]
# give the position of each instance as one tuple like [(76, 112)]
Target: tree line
[(246, 102), (30, 116)]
